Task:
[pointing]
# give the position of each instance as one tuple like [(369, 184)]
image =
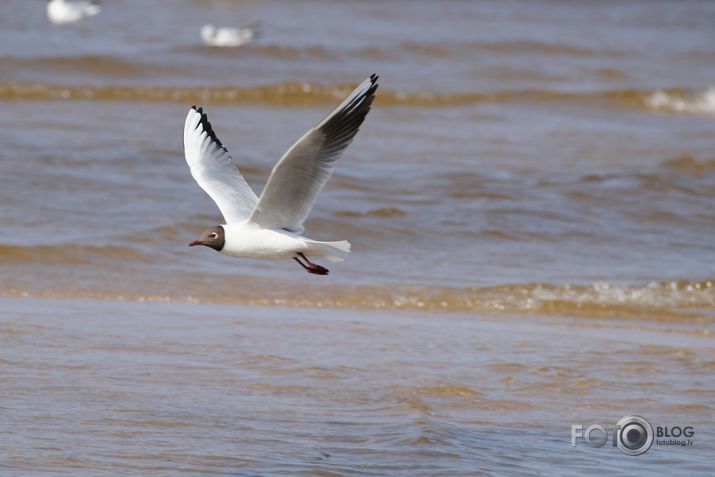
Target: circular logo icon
[(634, 435)]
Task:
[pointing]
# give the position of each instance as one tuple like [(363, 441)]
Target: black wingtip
[(206, 125), (373, 79), (343, 124)]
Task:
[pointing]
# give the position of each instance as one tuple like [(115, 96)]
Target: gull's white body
[(247, 240), (271, 226), (227, 37), (67, 11)]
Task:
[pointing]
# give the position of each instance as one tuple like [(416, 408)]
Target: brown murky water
[(531, 206), (93, 387)]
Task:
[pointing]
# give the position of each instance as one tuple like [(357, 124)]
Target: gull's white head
[(208, 32)]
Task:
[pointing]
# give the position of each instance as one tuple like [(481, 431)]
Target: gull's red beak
[(196, 242)]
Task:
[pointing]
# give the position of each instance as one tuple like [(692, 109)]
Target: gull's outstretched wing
[(304, 169), (214, 170)]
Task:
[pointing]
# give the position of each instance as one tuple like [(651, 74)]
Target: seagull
[(67, 11), (271, 226), (225, 36)]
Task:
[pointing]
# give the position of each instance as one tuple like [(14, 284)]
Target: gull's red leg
[(311, 267), (306, 267)]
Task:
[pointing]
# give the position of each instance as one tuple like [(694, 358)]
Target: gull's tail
[(332, 251)]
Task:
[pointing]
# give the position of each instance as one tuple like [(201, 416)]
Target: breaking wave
[(683, 101), (674, 300), (310, 94)]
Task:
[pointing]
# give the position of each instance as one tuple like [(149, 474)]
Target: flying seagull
[(70, 11), (271, 226), (227, 36)]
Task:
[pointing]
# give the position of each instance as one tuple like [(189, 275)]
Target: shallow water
[(523, 160), (105, 388)]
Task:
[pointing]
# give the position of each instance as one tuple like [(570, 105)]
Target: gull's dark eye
[(213, 235)]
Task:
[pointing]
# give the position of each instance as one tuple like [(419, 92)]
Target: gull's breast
[(255, 242)]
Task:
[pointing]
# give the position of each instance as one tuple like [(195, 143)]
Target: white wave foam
[(702, 103), (654, 295)]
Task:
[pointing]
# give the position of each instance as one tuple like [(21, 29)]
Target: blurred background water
[(546, 158)]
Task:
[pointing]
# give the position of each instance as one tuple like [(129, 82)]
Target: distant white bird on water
[(271, 226), (70, 11), (225, 36)]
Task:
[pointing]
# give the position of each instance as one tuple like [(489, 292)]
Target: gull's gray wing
[(213, 168), (304, 169)]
